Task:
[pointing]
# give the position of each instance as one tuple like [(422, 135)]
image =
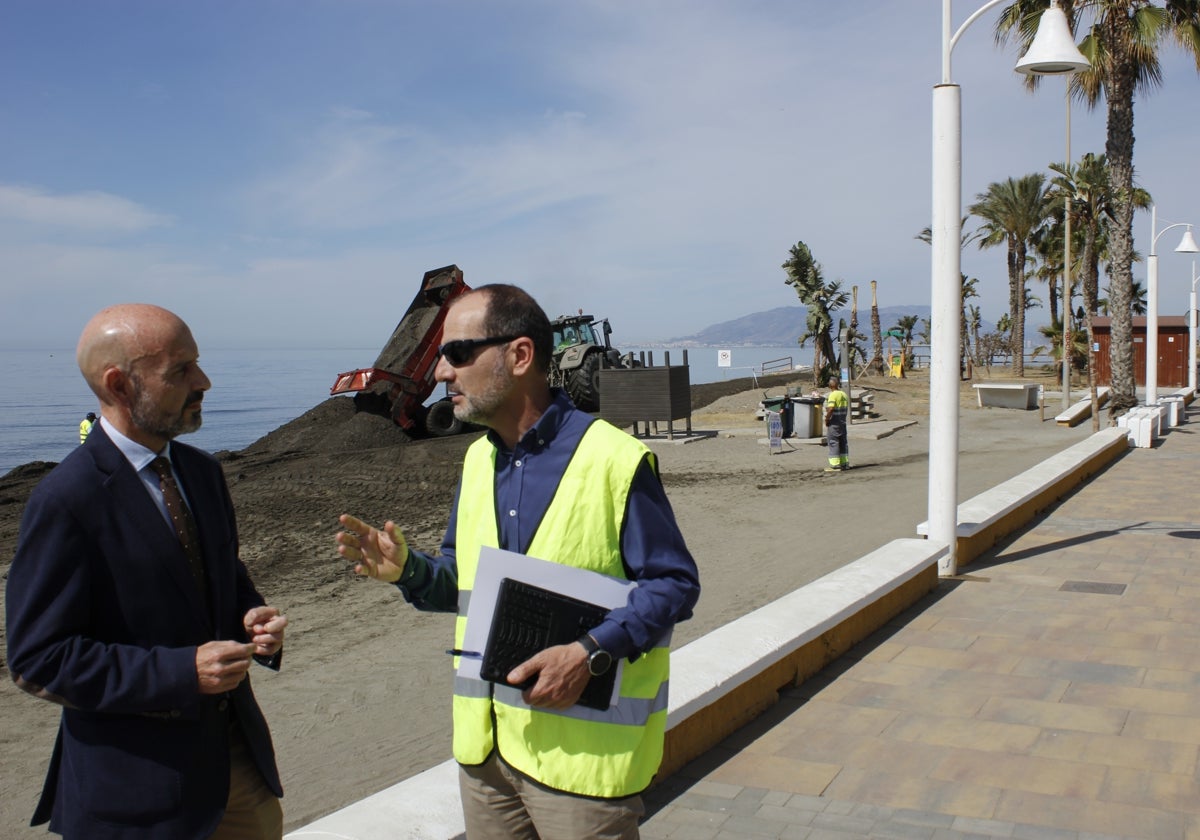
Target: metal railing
[(781, 365)]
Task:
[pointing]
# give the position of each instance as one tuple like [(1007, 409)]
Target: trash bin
[(807, 416), (783, 407)]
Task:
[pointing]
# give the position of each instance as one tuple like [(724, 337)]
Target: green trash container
[(782, 406)]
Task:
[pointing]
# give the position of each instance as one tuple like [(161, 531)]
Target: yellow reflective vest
[(608, 753)]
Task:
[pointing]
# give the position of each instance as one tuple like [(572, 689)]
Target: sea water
[(43, 397)]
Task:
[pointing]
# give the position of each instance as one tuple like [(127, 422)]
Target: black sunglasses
[(459, 352)]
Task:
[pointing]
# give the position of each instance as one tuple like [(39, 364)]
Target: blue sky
[(282, 173)]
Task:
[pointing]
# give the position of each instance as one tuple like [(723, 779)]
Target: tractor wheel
[(440, 420), (583, 384)]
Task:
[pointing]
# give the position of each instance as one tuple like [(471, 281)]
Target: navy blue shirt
[(652, 546)]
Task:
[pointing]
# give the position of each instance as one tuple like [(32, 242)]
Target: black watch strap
[(589, 644)]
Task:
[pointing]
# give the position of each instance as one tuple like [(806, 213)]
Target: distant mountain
[(782, 325)]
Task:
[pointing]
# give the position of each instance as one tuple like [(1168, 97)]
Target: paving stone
[(744, 826), (714, 805), (1023, 831), (843, 822), (991, 828), (789, 816), (901, 831), (776, 797)]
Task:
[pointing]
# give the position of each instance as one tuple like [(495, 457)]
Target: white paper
[(495, 565)]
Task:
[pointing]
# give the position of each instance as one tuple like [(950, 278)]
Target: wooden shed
[(1172, 350)]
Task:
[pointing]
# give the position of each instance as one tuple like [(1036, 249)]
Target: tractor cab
[(577, 329)]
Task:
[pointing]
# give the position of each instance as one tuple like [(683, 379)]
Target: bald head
[(141, 362), (119, 336)]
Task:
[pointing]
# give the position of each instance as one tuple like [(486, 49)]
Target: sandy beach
[(363, 697)]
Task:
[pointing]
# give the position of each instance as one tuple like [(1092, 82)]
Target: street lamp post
[(1067, 351), (1192, 315), (1066, 273), (1186, 246), (1050, 53)]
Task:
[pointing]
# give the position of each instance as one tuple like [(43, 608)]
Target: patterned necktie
[(181, 519)]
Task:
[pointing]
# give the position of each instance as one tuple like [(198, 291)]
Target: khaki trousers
[(252, 812), (500, 803)]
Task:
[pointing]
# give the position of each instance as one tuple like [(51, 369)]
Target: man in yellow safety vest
[(837, 407), (85, 426), (552, 482)]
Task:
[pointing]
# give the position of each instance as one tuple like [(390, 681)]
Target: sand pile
[(336, 425)]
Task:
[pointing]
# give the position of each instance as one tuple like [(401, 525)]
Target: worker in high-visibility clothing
[(85, 426), (837, 407), (552, 482)]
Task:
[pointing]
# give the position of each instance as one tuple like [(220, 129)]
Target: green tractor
[(581, 350)]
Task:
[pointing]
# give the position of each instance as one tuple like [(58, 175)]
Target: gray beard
[(147, 418)]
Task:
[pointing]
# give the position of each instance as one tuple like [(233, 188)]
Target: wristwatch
[(599, 660)]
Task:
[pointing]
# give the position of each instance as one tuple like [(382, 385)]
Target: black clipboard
[(529, 619)]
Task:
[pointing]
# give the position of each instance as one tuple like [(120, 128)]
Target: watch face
[(599, 661)]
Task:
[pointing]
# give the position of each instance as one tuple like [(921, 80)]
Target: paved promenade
[(1052, 690)]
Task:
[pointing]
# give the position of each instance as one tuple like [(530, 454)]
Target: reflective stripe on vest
[(607, 753)]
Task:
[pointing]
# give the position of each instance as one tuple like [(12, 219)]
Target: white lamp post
[(1186, 246), (1192, 315), (1068, 350), (1053, 51)]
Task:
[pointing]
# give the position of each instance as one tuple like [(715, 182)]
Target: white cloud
[(81, 211)]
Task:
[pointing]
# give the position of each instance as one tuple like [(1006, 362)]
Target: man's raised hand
[(374, 553)]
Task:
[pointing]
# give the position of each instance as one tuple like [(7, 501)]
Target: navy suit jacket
[(104, 616)]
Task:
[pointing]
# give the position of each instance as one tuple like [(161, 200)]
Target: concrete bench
[(984, 519), (1082, 410), (719, 683), (1021, 395)]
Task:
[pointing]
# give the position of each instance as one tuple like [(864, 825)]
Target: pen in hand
[(473, 654)]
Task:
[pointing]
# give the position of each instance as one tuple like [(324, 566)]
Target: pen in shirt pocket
[(472, 654)]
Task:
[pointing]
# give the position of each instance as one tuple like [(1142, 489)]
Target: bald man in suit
[(128, 606)]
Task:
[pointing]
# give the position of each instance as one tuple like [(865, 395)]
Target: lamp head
[(1053, 51), (1187, 245)]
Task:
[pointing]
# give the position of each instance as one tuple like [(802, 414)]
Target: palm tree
[(1088, 185), (1137, 298), (1012, 212), (1048, 245), (876, 362), (1004, 325), (821, 300), (1079, 346), (1122, 44), (905, 324), (970, 289), (975, 321)]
